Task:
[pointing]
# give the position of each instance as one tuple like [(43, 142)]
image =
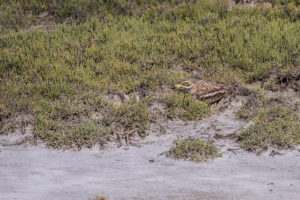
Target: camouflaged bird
[(205, 90)]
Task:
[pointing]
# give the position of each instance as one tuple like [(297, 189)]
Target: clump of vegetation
[(75, 136), (277, 127), (63, 127), (194, 150), (131, 116), (186, 107), (255, 100)]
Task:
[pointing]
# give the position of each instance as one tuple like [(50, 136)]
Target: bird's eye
[(186, 83)]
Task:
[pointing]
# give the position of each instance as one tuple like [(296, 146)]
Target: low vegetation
[(256, 99), (186, 107), (76, 136), (75, 130), (131, 116), (277, 127), (62, 75), (17, 14), (194, 150)]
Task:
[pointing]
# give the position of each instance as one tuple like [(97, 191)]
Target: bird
[(208, 91)]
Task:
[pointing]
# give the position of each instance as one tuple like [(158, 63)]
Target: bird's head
[(184, 86)]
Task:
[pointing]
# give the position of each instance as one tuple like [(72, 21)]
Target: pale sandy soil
[(29, 173)]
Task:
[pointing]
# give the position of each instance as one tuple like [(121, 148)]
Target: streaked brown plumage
[(209, 91)]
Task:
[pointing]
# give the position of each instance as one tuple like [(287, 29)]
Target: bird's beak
[(177, 86)]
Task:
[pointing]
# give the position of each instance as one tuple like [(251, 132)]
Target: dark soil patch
[(281, 80)]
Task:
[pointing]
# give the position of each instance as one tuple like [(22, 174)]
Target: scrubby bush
[(194, 150), (277, 127), (185, 106)]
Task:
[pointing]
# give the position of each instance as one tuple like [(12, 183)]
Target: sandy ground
[(30, 173)]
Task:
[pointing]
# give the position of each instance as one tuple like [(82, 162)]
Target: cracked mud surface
[(145, 173)]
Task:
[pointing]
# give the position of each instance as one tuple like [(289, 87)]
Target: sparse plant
[(132, 116), (194, 150), (277, 127), (186, 107)]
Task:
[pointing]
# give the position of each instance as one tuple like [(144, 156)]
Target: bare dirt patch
[(16, 130), (280, 80)]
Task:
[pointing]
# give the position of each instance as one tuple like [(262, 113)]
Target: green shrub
[(132, 116), (186, 107), (194, 150), (76, 136), (277, 127)]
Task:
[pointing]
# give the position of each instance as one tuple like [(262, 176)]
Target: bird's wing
[(202, 88)]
